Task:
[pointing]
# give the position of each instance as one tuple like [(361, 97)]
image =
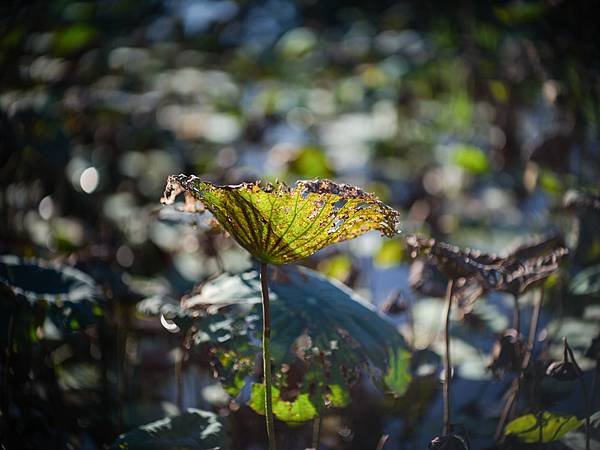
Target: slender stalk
[(411, 324), (595, 384), (516, 315), (121, 341), (316, 437), (516, 384), (105, 342), (535, 318), (266, 342), (179, 365), (179, 375), (447, 363), (586, 398), (382, 440), (509, 402), (6, 375)]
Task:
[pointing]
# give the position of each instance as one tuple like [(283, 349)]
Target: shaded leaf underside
[(323, 340), (280, 224)]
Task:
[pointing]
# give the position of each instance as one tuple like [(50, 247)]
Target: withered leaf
[(523, 268), (507, 353), (581, 201)]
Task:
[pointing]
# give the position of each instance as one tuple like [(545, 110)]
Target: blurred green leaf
[(519, 12), (12, 39), (472, 159), (551, 427), (192, 430), (338, 267), (311, 162), (550, 183), (390, 253), (499, 90), (280, 225), (297, 43), (74, 38)]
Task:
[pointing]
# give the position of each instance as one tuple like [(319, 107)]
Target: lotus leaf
[(278, 224), (553, 426), (323, 339)]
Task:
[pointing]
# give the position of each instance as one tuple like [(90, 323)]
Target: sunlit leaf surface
[(296, 410), (529, 428), (323, 339), (279, 224), (192, 430)]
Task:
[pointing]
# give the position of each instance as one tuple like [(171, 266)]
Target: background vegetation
[(478, 121)]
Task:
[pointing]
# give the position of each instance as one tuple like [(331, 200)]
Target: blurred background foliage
[(474, 119)]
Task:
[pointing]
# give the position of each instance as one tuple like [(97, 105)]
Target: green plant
[(278, 224)]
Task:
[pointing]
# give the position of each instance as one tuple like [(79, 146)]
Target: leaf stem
[(516, 384), (382, 440), (6, 375), (595, 384), (586, 399), (316, 437), (179, 375), (516, 315), (447, 363), (266, 341), (533, 325)]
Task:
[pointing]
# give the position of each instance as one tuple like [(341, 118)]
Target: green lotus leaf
[(297, 410), (553, 427), (279, 224), (68, 297), (323, 339), (192, 430)]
